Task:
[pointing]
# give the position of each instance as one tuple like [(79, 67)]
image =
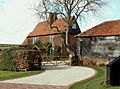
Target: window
[(52, 39), (74, 26), (34, 39)]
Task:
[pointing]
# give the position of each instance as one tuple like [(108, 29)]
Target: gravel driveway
[(56, 75)]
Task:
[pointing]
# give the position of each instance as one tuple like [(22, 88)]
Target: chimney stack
[(52, 17)]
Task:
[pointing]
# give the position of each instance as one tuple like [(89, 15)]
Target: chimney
[(52, 17)]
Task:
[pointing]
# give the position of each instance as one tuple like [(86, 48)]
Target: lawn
[(5, 75), (97, 82)]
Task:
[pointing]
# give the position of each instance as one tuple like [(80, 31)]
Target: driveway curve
[(57, 76)]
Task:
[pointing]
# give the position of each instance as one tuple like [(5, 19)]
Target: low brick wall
[(27, 59), (94, 61)]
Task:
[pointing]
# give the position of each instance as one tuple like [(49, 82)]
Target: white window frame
[(34, 39), (52, 39)]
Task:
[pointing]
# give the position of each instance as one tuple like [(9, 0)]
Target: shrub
[(57, 51), (27, 59), (48, 47), (38, 43), (7, 63)]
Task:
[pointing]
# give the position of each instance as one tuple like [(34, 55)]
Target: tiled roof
[(108, 28), (43, 28), (25, 42)]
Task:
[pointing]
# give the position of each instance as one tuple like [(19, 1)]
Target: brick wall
[(57, 41), (94, 61), (73, 42)]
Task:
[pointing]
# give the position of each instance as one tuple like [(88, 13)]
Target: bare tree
[(66, 9)]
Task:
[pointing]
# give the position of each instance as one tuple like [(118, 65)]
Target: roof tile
[(25, 42), (108, 28), (43, 28)]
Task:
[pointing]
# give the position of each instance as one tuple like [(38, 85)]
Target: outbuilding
[(113, 72), (101, 42)]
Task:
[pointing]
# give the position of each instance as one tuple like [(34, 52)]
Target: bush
[(7, 63), (48, 47), (57, 51), (27, 59), (38, 43)]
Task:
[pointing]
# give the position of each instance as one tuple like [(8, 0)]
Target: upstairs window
[(52, 39), (74, 26), (34, 39)]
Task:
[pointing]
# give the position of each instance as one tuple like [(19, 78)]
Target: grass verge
[(96, 82), (5, 75)]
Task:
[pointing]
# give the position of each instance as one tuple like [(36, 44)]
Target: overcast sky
[(17, 19)]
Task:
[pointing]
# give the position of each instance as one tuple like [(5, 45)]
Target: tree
[(66, 9)]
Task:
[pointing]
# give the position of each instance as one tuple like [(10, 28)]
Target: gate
[(54, 60)]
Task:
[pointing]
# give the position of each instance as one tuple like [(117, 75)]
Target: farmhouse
[(43, 33), (101, 41)]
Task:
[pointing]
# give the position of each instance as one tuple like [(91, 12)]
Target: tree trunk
[(73, 58)]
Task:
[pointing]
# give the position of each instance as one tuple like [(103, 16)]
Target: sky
[(17, 19)]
